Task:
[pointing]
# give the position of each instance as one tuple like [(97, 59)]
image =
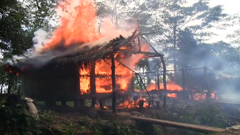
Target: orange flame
[(78, 24), (104, 85), (200, 96), (171, 86)]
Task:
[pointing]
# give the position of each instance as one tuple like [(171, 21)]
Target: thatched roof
[(81, 55)]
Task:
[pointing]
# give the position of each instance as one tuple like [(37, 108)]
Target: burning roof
[(81, 55)]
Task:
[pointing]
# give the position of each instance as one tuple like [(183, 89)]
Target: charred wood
[(93, 83), (114, 106)]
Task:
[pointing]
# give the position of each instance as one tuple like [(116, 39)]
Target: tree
[(18, 22), (41, 14), (13, 38)]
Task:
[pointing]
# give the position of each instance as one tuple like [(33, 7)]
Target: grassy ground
[(15, 120)]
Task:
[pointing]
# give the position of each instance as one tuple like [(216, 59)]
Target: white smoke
[(39, 40)]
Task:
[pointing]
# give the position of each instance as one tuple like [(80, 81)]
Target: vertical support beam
[(114, 108), (139, 44), (1, 89), (10, 83), (164, 82), (185, 94), (158, 85), (183, 79), (139, 83), (204, 81), (131, 86), (102, 103), (93, 83), (158, 82), (174, 47), (209, 93), (63, 103)]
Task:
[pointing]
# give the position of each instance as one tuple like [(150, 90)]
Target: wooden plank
[(155, 91), (194, 127)]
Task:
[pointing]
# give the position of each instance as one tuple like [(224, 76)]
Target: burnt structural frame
[(148, 55)]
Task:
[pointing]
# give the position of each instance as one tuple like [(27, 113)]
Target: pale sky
[(230, 7)]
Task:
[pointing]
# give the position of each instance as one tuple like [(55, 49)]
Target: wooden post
[(131, 86), (114, 108), (158, 85), (140, 84), (174, 47), (204, 82), (139, 44), (185, 96), (10, 79), (208, 95), (79, 102), (158, 81), (93, 83), (141, 103), (102, 103), (183, 79), (164, 83), (64, 103)]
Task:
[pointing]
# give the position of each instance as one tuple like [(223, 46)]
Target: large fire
[(78, 24), (103, 85)]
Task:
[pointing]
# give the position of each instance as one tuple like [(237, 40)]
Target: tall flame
[(78, 24)]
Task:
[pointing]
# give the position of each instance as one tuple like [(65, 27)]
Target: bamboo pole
[(199, 128), (185, 94), (164, 82), (93, 83), (114, 108)]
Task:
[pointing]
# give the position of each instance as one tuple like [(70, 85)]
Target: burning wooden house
[(79, 61), (85, 72)]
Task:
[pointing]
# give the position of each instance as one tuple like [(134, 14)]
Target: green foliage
[(47, 116), (113, 128), (14, 38), (146, 128), (15, 119), (211, 115), (19, 20), (201, 113)]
